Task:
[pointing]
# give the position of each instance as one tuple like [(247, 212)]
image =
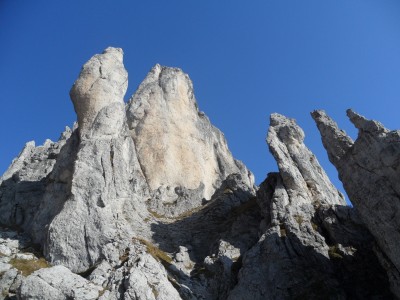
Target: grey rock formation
[(96, 187), (141, 275), (369, 169), (145, 201), (57, 283), (18, 258), (87, 198), (23, 185), (308, 235), (98, 95), (183, 157)]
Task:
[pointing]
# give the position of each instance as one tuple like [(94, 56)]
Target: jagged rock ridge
[(312, 245), (369, 169), (145, 201)]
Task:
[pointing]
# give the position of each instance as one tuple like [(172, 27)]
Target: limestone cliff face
[(369, 169), (179, 150), (144, 201)]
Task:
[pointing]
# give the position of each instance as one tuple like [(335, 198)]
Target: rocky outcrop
[(144, 201), (23, 185), (312, 246), (369, 168), (57, 283), (104, 187), (137, 228), (183, 156), (98, 95)]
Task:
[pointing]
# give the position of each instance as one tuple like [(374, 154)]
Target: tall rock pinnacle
[(370, 170), (178, 148), (98, 94), (301, 172), (105, 185)]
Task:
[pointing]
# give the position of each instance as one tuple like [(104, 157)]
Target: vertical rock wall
[(370, 170)]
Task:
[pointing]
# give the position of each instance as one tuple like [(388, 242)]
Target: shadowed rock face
[(370, 170), (312, 246)]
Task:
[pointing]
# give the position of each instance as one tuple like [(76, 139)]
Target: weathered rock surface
[(312, 246), (86, 198), (18, 258), (369, 169), (96, 187), (183, 157), (57, 283), (23, 185), (141, 275), (145, 201), (98, 95)]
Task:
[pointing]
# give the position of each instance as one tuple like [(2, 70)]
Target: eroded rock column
[(369, 168)]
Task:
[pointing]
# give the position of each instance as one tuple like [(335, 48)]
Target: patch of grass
[(317, 204), (299, 219), (27, 267), (156, 214), (125, 256), (228, 191), (187, 213), (156, 252), (251, 203), (282, 230), (154, 290), (333, 252), (101, 293), (314, 226)]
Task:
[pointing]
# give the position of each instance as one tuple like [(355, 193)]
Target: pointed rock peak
[(168, 78), (362, 123), (285, 128), (369, 168), (334, 139), (300, 170), (177, 145), (117, 52), (101, 86)]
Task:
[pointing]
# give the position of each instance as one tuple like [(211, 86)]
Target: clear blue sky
[(247, 59)]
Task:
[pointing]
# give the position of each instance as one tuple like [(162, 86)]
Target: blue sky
[(247, 59)]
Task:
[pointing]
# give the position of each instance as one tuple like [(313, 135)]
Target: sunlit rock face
[(177, 145), (98, 94)]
